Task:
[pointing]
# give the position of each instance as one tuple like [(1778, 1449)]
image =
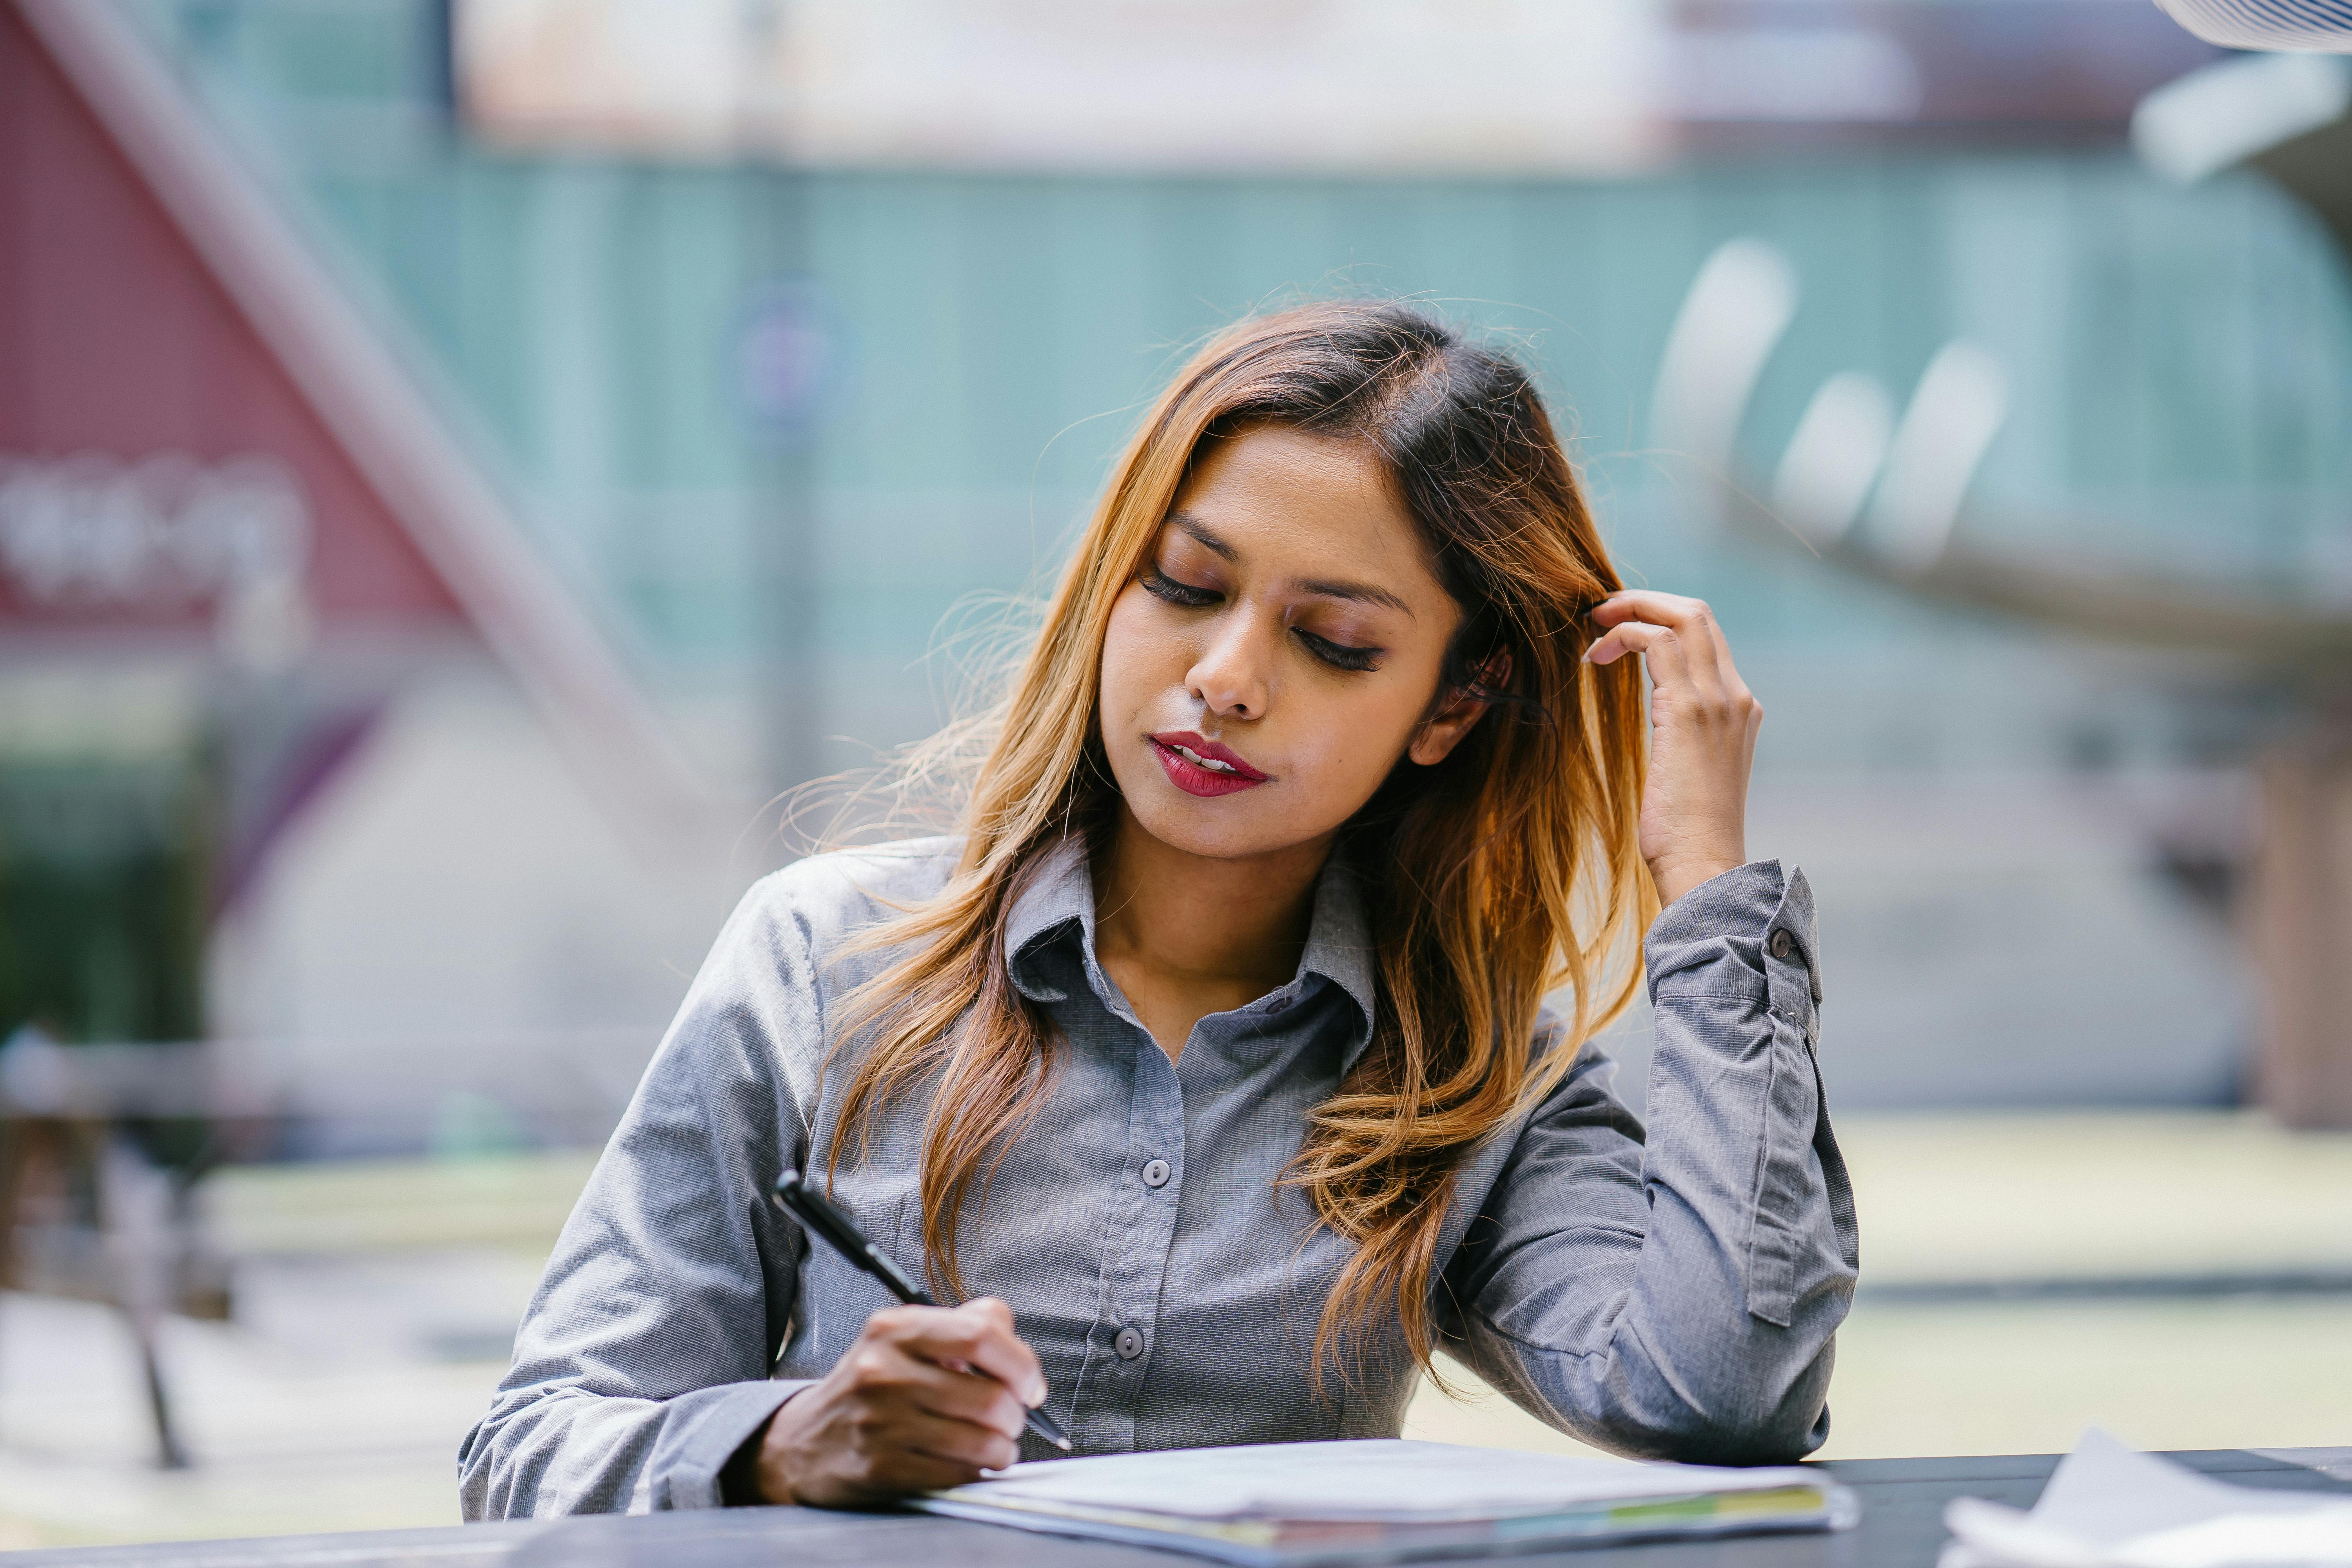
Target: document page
[(2109, 1505), (1378, 1478)]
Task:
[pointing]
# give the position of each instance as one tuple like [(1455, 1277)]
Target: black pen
[(817, 1214)]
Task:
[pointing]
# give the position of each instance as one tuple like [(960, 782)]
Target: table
[(1902, 1527), (132, 1237)]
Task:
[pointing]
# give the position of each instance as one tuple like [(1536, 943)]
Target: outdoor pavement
[(2183, 1278)]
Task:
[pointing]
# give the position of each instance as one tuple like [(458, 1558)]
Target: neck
[(1240, 922)]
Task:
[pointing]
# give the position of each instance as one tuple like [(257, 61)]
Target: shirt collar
[(1055, 894), (1058, 898)]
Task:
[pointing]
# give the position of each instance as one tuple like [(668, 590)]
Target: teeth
[(1199, 760)]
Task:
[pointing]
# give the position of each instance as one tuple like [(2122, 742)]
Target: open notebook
[(1298, 1505)]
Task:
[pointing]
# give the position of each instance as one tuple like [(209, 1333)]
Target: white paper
[(1375, 1478), (2109, 1505)]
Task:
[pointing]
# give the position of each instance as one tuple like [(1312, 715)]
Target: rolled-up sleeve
[(642, 1363), (1679, 1297)]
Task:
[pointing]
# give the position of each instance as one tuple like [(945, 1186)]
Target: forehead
[(1286, 499)]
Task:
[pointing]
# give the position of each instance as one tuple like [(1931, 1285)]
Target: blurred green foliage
[(103, 873)]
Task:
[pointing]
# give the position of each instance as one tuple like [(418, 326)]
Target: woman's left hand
[(1703, 725)]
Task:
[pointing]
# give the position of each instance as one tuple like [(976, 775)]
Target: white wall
[(460, 915)]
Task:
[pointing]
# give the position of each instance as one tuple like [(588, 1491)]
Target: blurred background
[(462, 462)]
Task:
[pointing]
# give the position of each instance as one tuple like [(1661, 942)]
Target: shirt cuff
[(704, 1431), (1750, 930)]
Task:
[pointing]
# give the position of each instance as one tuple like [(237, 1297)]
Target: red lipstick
[(1202, 767)]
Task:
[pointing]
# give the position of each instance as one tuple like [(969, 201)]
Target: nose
[(1229, 678)]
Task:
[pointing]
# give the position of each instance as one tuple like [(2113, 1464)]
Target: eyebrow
[(1322, 587), (1204, 533)]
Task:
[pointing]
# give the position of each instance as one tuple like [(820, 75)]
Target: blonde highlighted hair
[(1505, 871)]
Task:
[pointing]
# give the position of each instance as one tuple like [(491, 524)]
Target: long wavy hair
[(1508, 871)]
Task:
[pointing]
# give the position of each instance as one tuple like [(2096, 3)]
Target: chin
[(1219, 828), (1182, 827)]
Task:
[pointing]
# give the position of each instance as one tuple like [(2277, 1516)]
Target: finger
[(1723, 698), (929, 1439), (1645, 604), (946, 1389), (953, 1443), (1718, 652), (1660, 648), (1692, 620), (960, 1394), (896, 1468), (913, 1472), (1617, 642), (979, 1332), (885, 1374)]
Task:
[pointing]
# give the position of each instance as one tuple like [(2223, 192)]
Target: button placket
[(1130, 1301)]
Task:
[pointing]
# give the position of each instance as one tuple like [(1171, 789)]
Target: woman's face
[(1277, 652)]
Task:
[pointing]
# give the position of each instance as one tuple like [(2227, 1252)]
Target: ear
[(1443, 730)]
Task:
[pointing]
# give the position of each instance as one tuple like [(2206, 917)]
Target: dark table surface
[(1902, 1527)]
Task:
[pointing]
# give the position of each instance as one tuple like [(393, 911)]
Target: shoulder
[(845, 889), (792, 921), (768, 980), (825, 898)]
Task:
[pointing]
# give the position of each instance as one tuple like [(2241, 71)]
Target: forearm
[(1699, 1324), (642, 1362), (549, 1451)]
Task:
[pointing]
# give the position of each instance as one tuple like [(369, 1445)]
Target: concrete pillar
[(2300, 927)]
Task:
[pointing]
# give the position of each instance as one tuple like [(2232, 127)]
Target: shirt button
[(1155, 1173), (1782, 944), (1279, 1005), (1129, 1344)]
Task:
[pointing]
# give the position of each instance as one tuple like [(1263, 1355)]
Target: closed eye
[(1161, 587), (1192, 596), (1339, 654)]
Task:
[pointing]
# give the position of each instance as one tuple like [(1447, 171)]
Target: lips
[(1201, 766)]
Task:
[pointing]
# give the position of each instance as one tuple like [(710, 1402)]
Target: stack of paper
[(1295, 1505), (2108, 1506)]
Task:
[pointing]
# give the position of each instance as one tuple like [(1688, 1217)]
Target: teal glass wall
[(2181, 362)]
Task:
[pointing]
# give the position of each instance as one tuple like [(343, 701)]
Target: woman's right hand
[(904, 1411)]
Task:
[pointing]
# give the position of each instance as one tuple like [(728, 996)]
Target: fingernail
[(1037, 1393)]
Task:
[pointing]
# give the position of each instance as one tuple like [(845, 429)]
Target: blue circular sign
[(789, 358)]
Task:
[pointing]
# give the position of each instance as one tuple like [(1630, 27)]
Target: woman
[(1206, 1064)]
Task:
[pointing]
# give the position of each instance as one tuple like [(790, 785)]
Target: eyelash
[(1184, 595), (1175, 592), (1339, 654)]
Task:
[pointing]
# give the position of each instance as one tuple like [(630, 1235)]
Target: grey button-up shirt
[(1676, 1299)]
